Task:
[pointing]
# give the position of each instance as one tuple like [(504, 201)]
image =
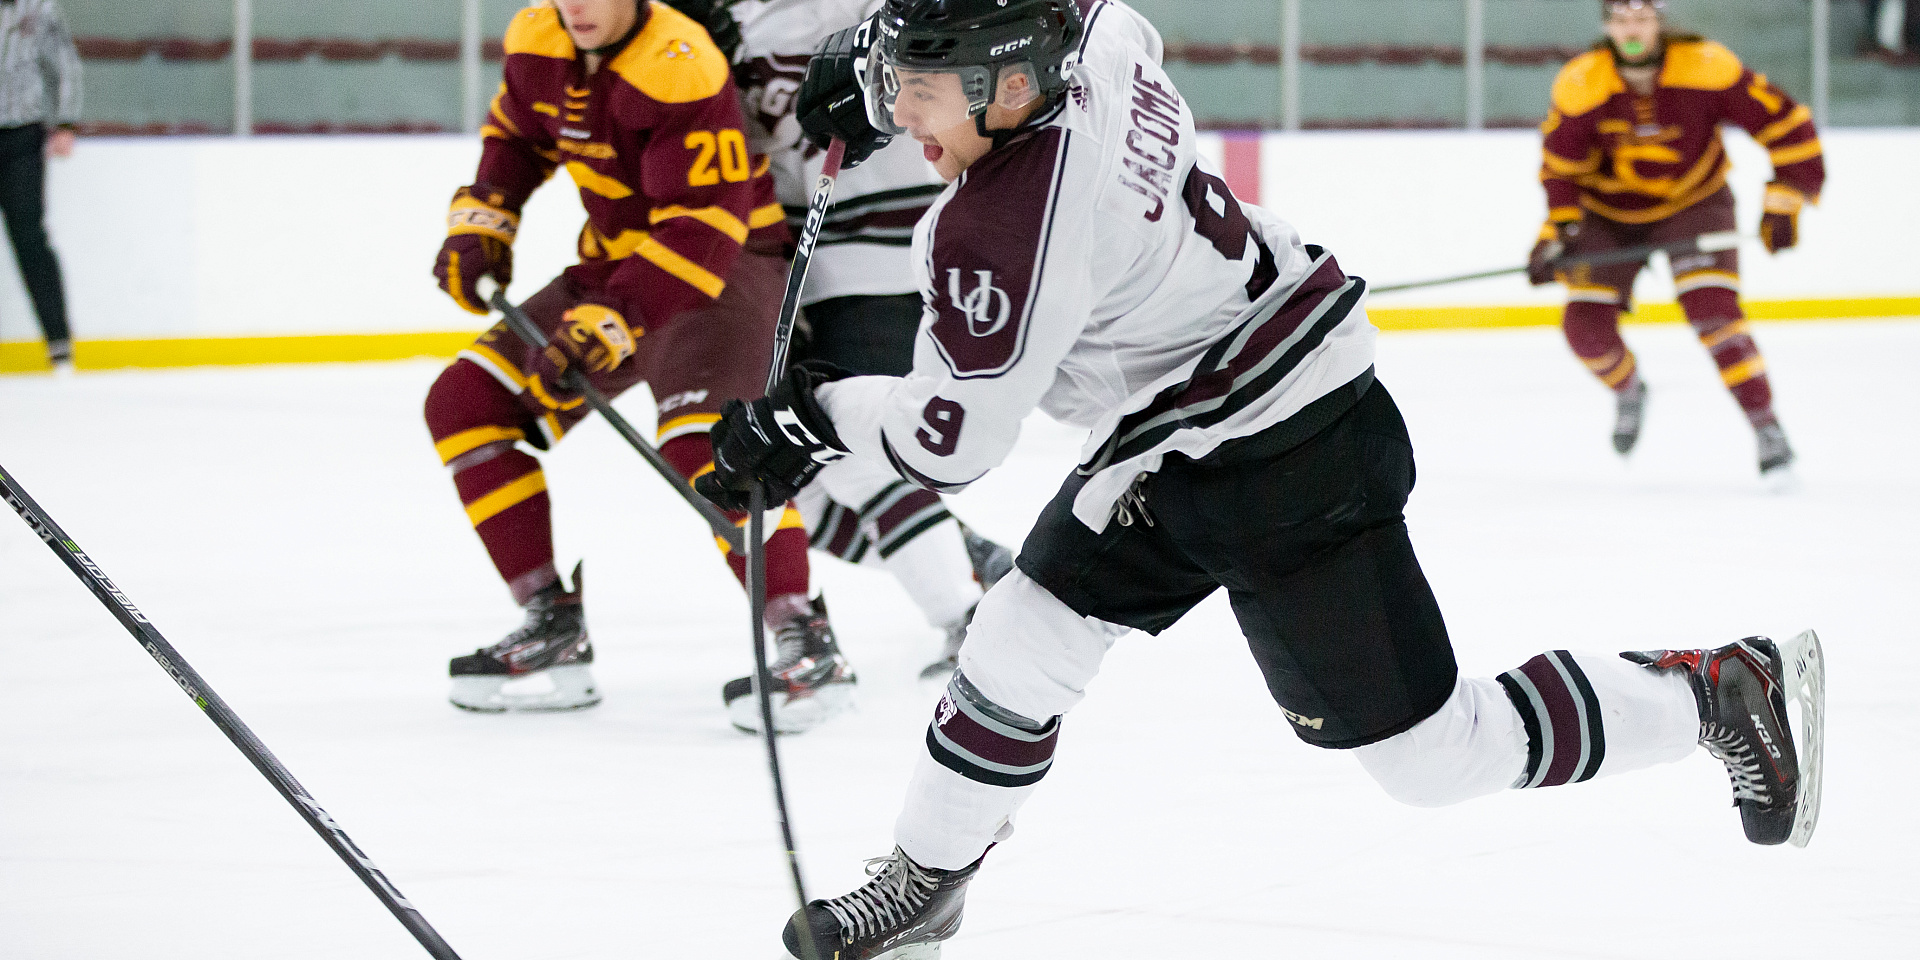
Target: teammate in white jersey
[(1084, 260), (862, 308)]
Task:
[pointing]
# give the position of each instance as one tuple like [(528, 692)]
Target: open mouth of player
[(932, 150)]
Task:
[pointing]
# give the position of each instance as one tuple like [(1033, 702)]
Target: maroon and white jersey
[(865, 244), (1097, 269)]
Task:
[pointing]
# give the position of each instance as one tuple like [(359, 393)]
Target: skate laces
[(1731, 747), (898, 888)]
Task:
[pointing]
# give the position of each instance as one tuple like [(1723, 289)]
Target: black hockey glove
[(714, 15), (779, 441), (833, 103)]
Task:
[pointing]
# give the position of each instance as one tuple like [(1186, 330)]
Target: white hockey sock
[(1558, 718), (934, 569), (1027, 657)]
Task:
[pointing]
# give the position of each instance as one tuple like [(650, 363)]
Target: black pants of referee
[(23, 202)]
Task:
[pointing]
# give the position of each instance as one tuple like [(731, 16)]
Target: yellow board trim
[(715, 217), (1503, 316), (507, 497), (467, 441), (30, 356), (693, 274)]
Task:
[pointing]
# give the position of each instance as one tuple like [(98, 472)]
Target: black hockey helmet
[(977, 40)]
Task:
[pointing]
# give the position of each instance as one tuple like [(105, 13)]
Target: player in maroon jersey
[(679, 284), (1633, 156)]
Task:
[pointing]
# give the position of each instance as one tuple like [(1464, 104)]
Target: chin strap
[(1001, 138)]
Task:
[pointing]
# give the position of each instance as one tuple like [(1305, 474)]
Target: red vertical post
[(1240, 155)]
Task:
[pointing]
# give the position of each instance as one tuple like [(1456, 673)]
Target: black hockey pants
[(23, 187)]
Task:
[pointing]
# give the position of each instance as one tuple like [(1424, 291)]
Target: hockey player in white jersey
[(1084, 260), (862, 308)]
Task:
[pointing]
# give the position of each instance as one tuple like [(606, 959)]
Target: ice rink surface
[(291, 532)]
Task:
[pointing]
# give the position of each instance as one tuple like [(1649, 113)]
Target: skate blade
[(569, 686), (1806, 684), (793, 716), (917, 951)]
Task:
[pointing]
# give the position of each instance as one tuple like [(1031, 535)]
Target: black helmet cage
[(978, 40)]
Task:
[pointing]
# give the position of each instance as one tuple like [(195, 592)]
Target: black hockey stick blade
[(222, 715), (1704, 243), (529, 332)]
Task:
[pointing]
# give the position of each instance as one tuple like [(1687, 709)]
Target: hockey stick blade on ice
[(1704, 243), (222, 716), (756, 555), (529, 332)]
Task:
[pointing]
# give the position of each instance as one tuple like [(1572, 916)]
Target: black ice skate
[(812, 681), (550, 647), (1743, 690), (1629, 411), (943, 668), (901, 914), (990, 560), (1776, 457)]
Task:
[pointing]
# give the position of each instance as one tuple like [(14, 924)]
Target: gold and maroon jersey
[(1639, 159), (654, 139)]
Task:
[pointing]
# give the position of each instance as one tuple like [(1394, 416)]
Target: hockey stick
[(528, 331), (222, 716), (757, 518), (1704, 243)]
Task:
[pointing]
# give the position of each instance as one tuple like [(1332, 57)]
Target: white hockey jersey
[(1097, 269), (864, 247)]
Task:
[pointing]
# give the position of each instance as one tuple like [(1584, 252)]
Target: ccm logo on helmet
[(1010, 47)]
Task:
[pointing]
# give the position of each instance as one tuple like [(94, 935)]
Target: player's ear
[(1017, 87)]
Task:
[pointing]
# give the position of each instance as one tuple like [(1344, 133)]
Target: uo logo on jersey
[(987, 307)]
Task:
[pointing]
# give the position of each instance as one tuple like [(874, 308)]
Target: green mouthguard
[(1633, 48)]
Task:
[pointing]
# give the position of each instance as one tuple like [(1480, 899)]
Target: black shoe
[(1742, 690), (903, 912), (552, 642), (1629, 411), (812, 681)]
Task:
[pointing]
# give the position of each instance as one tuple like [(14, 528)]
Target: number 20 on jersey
[(720, 155)]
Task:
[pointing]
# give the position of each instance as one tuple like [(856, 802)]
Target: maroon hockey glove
[(779, 441), (592, 339), (479, 243), (1780, 225), (1554, 238)]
